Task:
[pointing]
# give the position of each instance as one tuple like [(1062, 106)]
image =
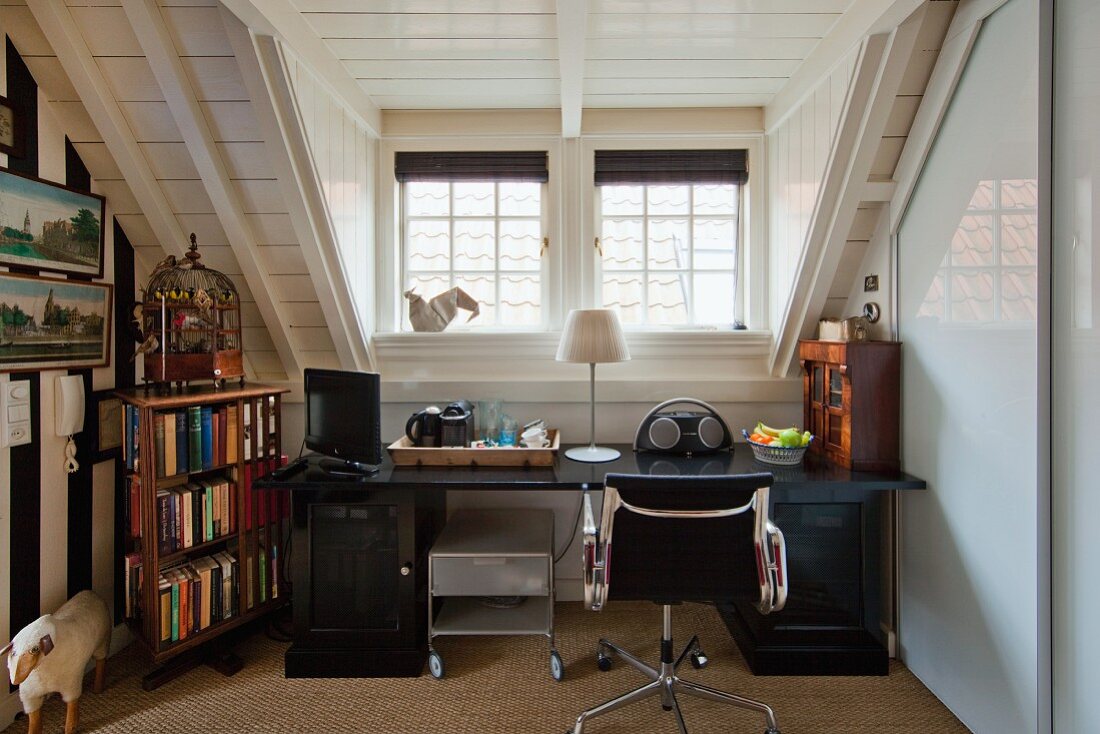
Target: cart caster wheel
[(557, 669), (699, 660), (435, 665), (603, 662), (666, 708)]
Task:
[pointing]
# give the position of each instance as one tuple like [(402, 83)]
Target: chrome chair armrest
[(594, 586), (779, 563)]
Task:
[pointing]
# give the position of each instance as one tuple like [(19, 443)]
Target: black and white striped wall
[(58, 530)]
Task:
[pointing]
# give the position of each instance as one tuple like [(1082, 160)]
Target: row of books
[(195, 513), (131, 435), (197, 594), (133, 583), (195, 439)]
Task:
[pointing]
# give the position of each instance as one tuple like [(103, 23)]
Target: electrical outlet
[(870, 283)]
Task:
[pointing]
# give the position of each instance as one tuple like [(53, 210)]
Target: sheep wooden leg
[(100, 675), (34, 722), (71, 716)]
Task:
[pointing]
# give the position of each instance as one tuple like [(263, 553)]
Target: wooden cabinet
[(851, 398), (193, 520)]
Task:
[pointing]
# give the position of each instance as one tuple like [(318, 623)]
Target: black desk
[(359, 562)]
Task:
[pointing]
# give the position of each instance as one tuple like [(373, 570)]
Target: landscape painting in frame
[(47, 323), (47, 226)]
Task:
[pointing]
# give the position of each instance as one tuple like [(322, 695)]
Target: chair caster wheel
[(557, 668), (699, 660), (666, 708), (603, 662), (435, 665)]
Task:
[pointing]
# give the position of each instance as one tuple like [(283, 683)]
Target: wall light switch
[(15, 413)]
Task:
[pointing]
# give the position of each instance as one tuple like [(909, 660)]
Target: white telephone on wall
[(69, 414)]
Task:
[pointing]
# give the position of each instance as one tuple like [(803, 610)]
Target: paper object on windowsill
[(434, 315)]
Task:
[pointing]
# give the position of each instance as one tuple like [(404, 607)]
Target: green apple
[(790, 438)]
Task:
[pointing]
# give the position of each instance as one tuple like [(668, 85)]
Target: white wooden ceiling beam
[(156, 42), (279, 18), (572, 17), (265, 77), (879, 71), (863, 18)]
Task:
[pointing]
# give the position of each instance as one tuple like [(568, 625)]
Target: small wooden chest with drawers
[(852, 402)]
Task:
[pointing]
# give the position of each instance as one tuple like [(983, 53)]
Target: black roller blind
[(509, 165), (670, 167)]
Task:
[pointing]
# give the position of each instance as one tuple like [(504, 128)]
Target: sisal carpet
[(503, 685)]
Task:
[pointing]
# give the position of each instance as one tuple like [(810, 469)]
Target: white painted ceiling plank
[(862, 18), (157, 43), (215, 78), (778, 69), (721, 48), (125, 153), (169, 160), (682, 85), (425, 6), (231, 121), (414, 49), (78, 124), (52, 80), (712, 25), (261, 197), (461, 87), (130, 78), (19, 24), (720, 6), (466, 101), (106, 31), (187, 197), (119, 195), (195, 31), (453, 25), (96, 157), (151, 122), (280, 18), (452, 69), (247, 160), (264, 67), (571, 23), (642, 101)]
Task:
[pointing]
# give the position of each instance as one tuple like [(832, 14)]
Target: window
[(669, 234), (475, 221)]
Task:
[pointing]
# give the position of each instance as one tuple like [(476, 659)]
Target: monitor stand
[(342, 468)]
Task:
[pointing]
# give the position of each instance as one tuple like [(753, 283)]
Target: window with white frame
[(669, 229), (476, 221)]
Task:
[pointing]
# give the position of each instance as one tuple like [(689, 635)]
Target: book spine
[(164, 524), (194, 438), (199, 525), (135, 506), (128, 436), (184, 603), (261, 554), (231, 425), (216, 437), (223, 423), (208, 502), (188, 519), (175, 610), (158, 430), (182, 459), (206, 437), (169, 422), (247, 489), (174, 521), (165, 591)]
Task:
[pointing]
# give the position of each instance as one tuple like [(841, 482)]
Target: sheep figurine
[(49, 656)]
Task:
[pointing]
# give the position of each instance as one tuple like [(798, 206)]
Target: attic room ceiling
[(454, 54)]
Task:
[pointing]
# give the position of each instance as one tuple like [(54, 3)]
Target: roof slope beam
[(863, 18), (572, 17), (152, 33), (265, 77), (279, 18), (878, 74)]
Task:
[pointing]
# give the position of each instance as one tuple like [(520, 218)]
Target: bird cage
[(191, 321)]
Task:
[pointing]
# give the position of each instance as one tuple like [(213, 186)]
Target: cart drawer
[(491, 576)]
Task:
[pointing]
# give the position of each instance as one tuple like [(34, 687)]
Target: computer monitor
[(342, 420)]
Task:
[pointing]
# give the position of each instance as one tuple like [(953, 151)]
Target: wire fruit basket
[(778, 455)]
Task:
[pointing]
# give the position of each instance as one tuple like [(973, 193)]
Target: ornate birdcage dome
[(191, 322)]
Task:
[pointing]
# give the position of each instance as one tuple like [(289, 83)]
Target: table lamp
[(592, 335)]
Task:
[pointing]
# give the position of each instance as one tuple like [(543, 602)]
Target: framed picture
[(108, 437), (11, 129), (47, 226), (48, 323)]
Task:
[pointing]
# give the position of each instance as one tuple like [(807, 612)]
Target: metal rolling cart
[(487, 554)]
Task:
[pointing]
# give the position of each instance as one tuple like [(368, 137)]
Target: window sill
[(543, 345)]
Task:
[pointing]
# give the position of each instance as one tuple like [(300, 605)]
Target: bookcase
[(204, 551)]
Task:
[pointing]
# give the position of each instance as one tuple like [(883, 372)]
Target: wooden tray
[(405, 454)]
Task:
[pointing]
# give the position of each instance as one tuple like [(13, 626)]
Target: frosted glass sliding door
[(967, 314), (1075, 487)]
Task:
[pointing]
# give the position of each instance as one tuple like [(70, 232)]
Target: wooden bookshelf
[(260, 520)]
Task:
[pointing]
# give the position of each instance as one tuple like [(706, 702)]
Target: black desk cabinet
[(360, 581), (360, 608)]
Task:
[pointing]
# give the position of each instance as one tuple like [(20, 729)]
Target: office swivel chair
[(681, 539)]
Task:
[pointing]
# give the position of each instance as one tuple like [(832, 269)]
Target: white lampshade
[(592, 335)]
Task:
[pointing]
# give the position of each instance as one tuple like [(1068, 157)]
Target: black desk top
[(812, 476)]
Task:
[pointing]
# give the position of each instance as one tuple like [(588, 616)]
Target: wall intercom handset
[(69, 414)]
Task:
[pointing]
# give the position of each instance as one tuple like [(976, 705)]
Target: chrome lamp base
[(592, 454)]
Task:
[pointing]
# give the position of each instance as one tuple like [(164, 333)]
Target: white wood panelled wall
[(798, 150), (345, 159)]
